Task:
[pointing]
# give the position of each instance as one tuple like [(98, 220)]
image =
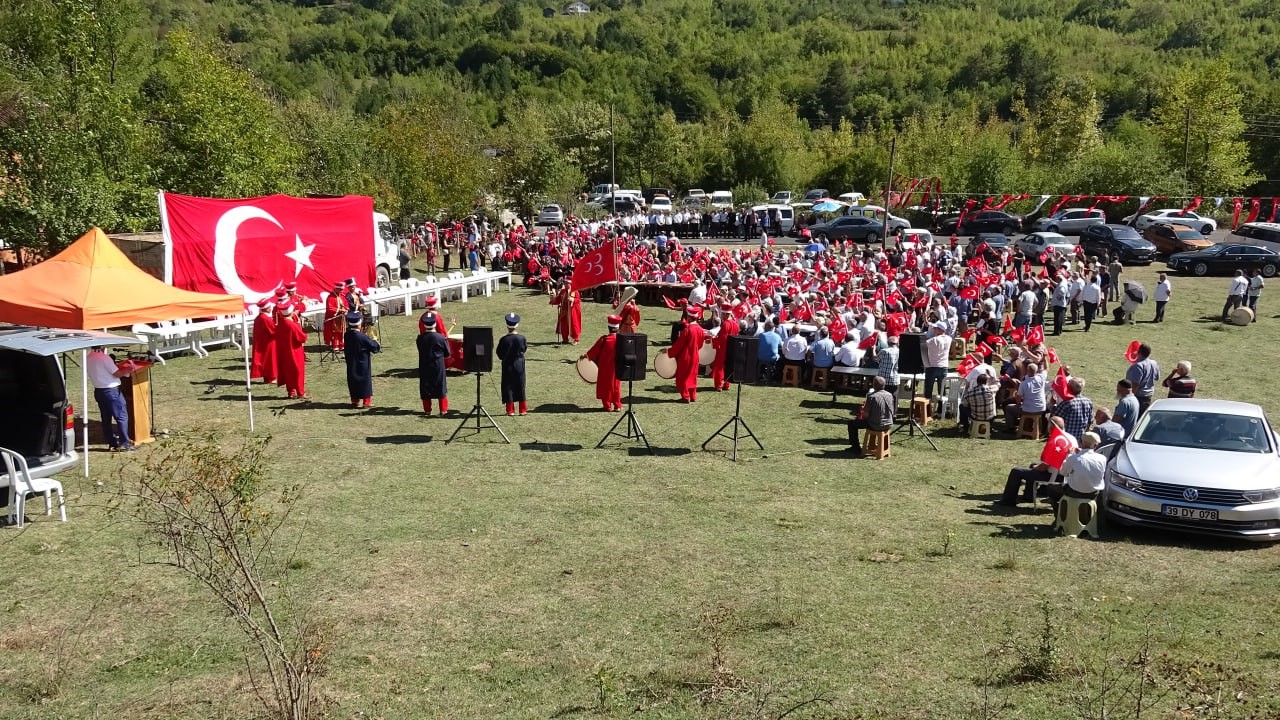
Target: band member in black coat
[(358, 351), (433, 350), (510, 350)]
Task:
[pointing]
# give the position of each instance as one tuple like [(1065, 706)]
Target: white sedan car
[(1193, 220), (1036, 243), (1200, 466), (660, 203)]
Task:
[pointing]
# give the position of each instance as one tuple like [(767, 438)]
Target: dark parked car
[(985, 221), (852, 227), (996, 243), (1224, 259), (1120, 241)]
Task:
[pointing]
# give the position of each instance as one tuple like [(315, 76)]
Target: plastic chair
[(20, 483)]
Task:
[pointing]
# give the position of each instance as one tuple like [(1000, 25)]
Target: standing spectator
[(1235, 294), (1143, 374), (404, 263), (937, 351), (1091, 298), (1127, 409), (1256, 284), (105, 376), (1163, 292), (1114, 268), (1061, 298), (1180, 382)]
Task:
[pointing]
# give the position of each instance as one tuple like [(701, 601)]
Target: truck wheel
[(384, 276)]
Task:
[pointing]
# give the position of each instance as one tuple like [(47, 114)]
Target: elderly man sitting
[(1039, 472), (1082, 472), (876, 413), (979, 402), (1031, 396)]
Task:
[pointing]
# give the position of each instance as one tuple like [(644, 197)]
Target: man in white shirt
[(936, 350), (698, 295), (1090, 297), (1256, 283), (1082, 473), (1061, 298), (1163, 292), (1235, 294), (795, 348), (848, 354), (105, 376)]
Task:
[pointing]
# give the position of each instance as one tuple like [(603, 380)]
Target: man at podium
[(105, 376)]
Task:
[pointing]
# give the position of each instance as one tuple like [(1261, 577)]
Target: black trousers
[(857, 424), (1090, 312), (1017, 478), (1160, 310), (1059, 315)]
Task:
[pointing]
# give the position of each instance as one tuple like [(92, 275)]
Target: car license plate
[(1188, 513)]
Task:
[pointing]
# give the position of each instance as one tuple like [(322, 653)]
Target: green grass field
[(549, 579)]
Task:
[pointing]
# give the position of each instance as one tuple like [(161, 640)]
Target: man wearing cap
[(432, 304), (264, 342), (685, 351), (433, 350), (298, 302), (728, 328), (937, 350), (291, 358), (569, 315), (603, 353), (353, 297), (510, 351), (334, 310), (358, 350)]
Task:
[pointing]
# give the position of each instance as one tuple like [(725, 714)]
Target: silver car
[(1199, 466), (1071, 222), (1036, 243)]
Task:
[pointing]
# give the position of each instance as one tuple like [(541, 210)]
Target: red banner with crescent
[(251, 246)]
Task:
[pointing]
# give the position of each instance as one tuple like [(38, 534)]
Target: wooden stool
[(791, 375), (820, 378), (980, 429), (876, 445), (1076, 517), (959, 348), (1030, 425), (920, 410)]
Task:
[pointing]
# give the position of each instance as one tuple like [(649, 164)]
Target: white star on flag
[(301, 255)]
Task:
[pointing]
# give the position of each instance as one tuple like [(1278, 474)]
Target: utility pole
[(1186, 154), (888, 193), (613, 167)]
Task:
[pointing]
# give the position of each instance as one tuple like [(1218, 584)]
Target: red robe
[(630, 317), (608, 386), (290, 355), (685, 351), (728, 328), (264, 348), (335, 326), (569, 317)]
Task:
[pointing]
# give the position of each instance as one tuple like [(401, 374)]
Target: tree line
[(441, 107)]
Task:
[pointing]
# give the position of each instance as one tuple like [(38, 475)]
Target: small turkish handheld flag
[(596, 268), (1131, 354), (969, 292), (1035, 334), (248, 247), (1057, 447), (1051, 355)]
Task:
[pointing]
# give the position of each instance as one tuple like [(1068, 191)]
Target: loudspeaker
[(631, 356), (911, 353), (477, 349), (742, 364)]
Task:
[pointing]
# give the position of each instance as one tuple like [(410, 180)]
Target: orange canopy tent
[(92, 284)]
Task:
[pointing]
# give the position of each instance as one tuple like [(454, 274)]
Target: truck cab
[(386, 249)]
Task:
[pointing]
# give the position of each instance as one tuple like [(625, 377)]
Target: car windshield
[(1204, 430), (1188, 235), (1124, 232)]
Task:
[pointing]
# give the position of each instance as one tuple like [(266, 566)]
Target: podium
[(136, 389)]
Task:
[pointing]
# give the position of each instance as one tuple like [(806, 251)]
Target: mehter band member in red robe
[(630, 315), (608, 387), (264, 342), (290, 355), (685, 351), (728, 328), (569, 316), (334, 311)]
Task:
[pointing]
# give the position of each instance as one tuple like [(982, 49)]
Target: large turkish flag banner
[(252, 246)]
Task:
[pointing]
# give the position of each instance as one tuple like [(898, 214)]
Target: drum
[(664, 365), (1240, 316), (706, 354), (455, 360), (587, 370)]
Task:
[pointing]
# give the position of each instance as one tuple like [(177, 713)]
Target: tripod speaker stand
[(737, 422), (477, 355), (909, 423), (632, 431)]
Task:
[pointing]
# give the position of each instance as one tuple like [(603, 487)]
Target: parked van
[(853, 198), (786, 217), (722, 199)]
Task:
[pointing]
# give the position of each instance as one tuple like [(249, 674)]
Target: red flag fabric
[(250, 246), (1035, 334), (596, 268), (967, 364), (969, 292), (984, 349), (1008, 324), (1255, 206), (1192, 206), (1131, 354), (867, 342), (895, 323), (1275, 206), (1016, 335), (1052, 356), (1236, 206), (1057, 447), (667, 301), (839, 331), (982, 247), (740, 310), (1059, 385)]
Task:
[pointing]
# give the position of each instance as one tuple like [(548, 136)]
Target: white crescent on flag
[(224, 249)]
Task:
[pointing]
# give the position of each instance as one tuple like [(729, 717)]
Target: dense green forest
[(434, 106)]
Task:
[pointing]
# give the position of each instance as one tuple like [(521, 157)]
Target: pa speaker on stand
[(477, 359), (742, 358), (911, 361), (631, 356)]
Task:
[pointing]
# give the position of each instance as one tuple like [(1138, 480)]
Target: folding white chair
[(17, 477)]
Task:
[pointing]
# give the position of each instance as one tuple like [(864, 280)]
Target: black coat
[(433, 350), (511, 349), (358, 354)]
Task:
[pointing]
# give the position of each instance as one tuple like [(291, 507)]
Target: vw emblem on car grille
[(1191, 494)]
